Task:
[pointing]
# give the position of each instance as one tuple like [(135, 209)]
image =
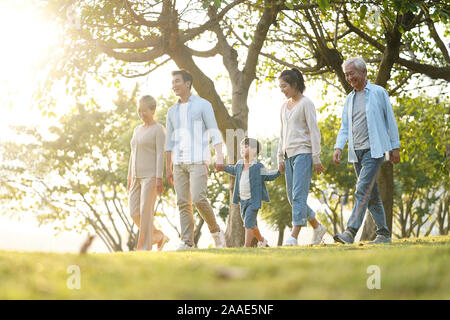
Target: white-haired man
[(369, 125)]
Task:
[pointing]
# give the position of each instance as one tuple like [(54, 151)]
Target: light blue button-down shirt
[(202, 127), (381, 124)]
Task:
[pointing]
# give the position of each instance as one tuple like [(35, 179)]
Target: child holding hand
[(249, 187)]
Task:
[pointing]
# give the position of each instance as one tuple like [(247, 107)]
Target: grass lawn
[(409, 269)]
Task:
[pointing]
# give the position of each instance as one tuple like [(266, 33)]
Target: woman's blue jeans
[(298, 173)]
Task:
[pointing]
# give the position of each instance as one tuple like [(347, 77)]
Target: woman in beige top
[(145, 173), (299, 151)]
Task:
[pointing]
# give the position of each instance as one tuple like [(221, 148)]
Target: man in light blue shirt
[(190, 125), (369, 125)]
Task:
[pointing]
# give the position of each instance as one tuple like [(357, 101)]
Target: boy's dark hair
[(253, 143), (186, 76)]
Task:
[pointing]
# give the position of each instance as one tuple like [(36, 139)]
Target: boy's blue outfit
[(258, 174)]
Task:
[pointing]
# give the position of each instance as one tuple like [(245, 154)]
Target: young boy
[(249, 188)]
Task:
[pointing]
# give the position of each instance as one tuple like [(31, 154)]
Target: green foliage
[(324, 5), (422, 182)]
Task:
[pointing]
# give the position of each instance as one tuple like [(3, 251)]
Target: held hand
[(219, 167), (159, 186), (281, 167), (219, 164), (395, 156), (337, 156), (169, 176), (220, 160), (319, 168), (129, 184)]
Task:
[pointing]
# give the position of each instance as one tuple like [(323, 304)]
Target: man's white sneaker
[(184, 246), (262, 244), (318, 234), (219, 239), (290, 242)]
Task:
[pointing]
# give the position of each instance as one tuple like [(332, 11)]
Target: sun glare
[(27, 39)]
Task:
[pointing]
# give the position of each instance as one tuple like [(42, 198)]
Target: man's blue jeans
[(367, 195), (298, 173)]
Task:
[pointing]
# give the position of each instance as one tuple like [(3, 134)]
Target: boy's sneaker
[(318, 234), (346, 237), (290, 242), (381, 239), (219, 239), (184, 246), (263, 244)]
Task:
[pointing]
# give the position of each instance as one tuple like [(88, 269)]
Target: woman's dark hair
[(293, 76)]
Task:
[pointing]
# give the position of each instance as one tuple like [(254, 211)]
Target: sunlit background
[(28, 38)]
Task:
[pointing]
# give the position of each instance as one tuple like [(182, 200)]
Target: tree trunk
[(235, 233), (443, 216), (280, 235), (386, 186)]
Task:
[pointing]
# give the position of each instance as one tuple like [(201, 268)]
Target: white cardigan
[(300, 133)]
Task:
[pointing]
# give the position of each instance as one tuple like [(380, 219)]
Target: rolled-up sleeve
[(160, 139), (169, 132), (211, 124), (342, 136), (391, 124), (311, 120), (280, 143)]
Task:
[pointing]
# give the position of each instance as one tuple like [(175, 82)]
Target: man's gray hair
[(359, 63), (149, 101)]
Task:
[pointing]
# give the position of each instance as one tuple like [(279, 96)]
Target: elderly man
[(369, 125), (189, 125)]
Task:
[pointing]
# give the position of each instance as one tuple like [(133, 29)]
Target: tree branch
[(441, 45), (268, 17), (362, 34), (210, 24), (131, 56), (429, 70), (140, 19), (205, 54)]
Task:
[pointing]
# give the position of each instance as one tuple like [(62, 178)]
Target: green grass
[(410, 269)]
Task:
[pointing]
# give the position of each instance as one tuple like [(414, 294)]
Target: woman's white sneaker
[(318, 234), (290, 242)]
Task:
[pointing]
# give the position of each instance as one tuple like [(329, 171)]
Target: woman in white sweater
[(299, 152), (145, 174)]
